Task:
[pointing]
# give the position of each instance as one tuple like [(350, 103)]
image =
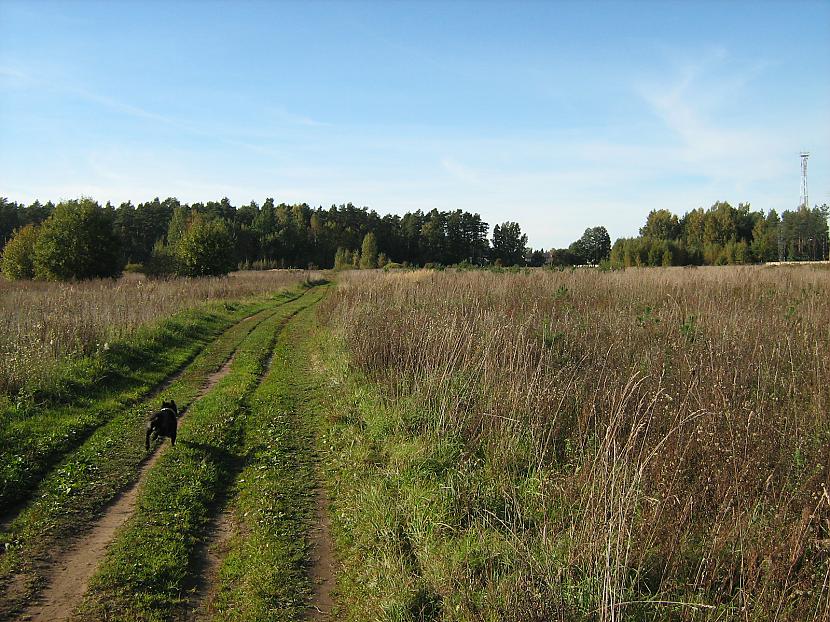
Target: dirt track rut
[(71, 572)]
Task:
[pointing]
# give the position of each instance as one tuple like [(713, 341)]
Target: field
[(649, 444), (42, 324)]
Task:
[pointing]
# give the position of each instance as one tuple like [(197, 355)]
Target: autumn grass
[(150, 565), (639, 445), (42, 423), (46, 327), (73, 494), (35, 438)]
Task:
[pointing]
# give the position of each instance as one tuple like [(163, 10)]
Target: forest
[(165, 237), (725, 235), (281, 235)]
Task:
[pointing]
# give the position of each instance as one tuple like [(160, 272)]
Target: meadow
[(43, 323), (582, 445), (515, 445), (73, 467)]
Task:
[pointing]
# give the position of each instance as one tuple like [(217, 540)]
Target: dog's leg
[(173, 438), (147, 440)]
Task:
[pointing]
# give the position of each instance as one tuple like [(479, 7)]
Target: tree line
[(164, 237), (82, 239), (724, 234)]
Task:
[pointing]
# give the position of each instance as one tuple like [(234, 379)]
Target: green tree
[(537, 259), (77, 242), (594, 245), (177, 226), (162, 261), (369, 252), (19, 254), (509, 244), (661, 225), (343, 259), (204, 248)]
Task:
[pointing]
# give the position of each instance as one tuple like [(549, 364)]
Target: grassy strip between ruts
[(34, 438), (264, 574), (70, 497), (149, 565)]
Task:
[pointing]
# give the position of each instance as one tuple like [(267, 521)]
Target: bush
[(205, 249), (344, 259), (162, 261), (77, 242), (19, 254), (369, 252)]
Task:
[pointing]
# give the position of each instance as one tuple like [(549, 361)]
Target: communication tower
[(805, 201)]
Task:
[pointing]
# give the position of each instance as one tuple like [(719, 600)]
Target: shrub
[(162, 261), (369, 252), (205, 248), (77, 242), (19, 254)]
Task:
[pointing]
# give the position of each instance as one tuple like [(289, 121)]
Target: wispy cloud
[(688, 103), (295, 119)]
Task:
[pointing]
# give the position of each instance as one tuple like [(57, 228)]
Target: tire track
[(9, 514), (66, 575), (211, 552), (321, 571), (70, 575)]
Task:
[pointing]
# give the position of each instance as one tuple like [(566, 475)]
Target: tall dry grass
[(42, 323), (673, 423)]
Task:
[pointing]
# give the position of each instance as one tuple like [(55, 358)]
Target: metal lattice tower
[(805, 201)]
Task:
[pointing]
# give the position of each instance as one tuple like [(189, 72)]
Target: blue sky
[(560, 115)]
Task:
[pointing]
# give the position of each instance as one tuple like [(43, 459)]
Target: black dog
[(163, 423)]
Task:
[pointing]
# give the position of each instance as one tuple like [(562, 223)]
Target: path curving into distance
[(268, 553)]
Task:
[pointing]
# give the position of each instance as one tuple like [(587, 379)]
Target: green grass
[(149, 566), (43, 425), (75, 492), (420, 521), (264, 574)]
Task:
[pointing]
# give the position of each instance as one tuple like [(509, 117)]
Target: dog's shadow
[(212, 453)]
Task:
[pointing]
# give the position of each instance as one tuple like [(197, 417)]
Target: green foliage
[(635, 252), (281, 235), (343, 259), (593, 246), (369, 252), (162, 262), (205, 248), (537, 259), (77, 242), (661, 225), (19, 254), (726, 235), (178, 226), (509, 244)]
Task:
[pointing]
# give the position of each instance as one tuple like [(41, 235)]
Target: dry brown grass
[(673, 424), (41, 323)]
